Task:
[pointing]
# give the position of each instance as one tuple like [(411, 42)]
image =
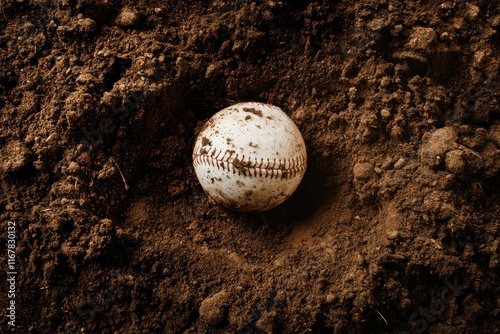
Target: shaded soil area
[(394, 229)]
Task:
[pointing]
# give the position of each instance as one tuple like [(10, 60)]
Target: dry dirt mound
[(394, 229)]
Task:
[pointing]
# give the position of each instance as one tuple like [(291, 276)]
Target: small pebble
[(385, 113), (398, 28), (444, 36), (400, 163)]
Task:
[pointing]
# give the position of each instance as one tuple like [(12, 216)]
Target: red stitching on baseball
[(287, 169)]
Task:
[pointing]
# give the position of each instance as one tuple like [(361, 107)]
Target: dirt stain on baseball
[(253, 111), (205, 141)]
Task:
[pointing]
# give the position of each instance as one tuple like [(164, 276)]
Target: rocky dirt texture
[(394, 229)]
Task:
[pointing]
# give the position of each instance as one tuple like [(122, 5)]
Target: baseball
[(250, 157)]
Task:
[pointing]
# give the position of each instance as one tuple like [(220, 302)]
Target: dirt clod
[(422, 39), (455, 161), (128, 18), (15, 156), (362, 171), (212, 310), (440, 141)]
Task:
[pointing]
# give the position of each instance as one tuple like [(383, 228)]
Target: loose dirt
[(395, 227)]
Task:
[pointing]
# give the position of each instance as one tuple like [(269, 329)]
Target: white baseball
[(250, 157)]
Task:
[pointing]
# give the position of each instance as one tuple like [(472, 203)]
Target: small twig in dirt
[(123, 177), (380, 314), (470, 151)]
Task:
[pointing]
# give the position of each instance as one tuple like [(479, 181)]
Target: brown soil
[(395, 227)]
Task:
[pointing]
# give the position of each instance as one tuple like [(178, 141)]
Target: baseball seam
[(275, 168)]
